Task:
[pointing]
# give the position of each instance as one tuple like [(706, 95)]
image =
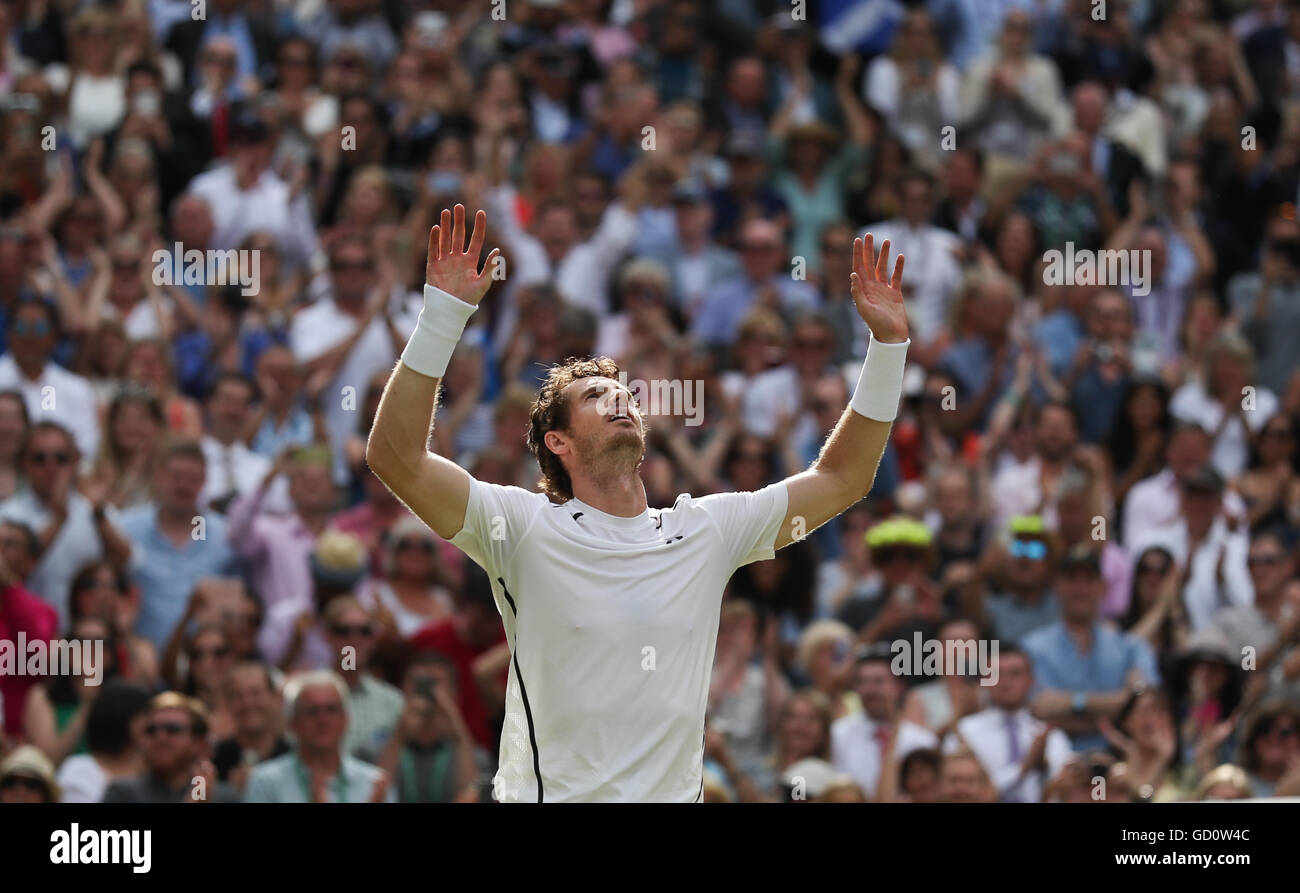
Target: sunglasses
[(171, 728), (22, 781), (38, 329), (340, 629), (43, 458), (315, 710), (1034, 550)]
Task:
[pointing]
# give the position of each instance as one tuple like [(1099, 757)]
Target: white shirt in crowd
[(612, 624), (856, 748), (239, 469), (323, 326), (81, 780), (1000, 740), (1231, 451), (1156, 502), (267, 207), (60, 396), (1222, 551), (76, 544)]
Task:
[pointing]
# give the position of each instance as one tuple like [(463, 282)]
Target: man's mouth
[(622, 418)]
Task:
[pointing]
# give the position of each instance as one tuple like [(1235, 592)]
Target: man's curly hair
[(550, 411)]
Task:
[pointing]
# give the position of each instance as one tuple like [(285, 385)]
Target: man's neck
[(176, 524), (177, 778), (31, 371), (622, 496), (327, 761), (1080, 630), (315, 522)]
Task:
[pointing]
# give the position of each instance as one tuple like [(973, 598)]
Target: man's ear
[(556, 442)]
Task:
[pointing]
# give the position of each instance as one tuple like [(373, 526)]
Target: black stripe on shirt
[(523, 691)]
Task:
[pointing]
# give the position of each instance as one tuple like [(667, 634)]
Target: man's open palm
[(453, 268), (878, 297)]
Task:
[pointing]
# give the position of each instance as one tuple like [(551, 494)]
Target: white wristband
[(437, 331), (880, 386)]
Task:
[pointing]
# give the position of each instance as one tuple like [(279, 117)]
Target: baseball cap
[(899, 531)]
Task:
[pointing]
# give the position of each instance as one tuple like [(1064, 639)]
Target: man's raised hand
[(879, 298), (453, 268)]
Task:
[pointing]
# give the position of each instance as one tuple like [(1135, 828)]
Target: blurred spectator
[(176, 758), (175, 546), (22, 613), (1085, 671), (254, 701), (1270, 748), (317, 770), (27, 776), (114, 729), (72, 528), (861, 742)]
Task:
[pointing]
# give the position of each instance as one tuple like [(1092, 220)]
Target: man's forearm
[(404, 421)]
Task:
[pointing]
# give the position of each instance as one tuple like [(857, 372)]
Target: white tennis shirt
[(612, 624)]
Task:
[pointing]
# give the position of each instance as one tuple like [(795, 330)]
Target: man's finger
[(897, 281), (478, 235), (858, 268), (444, 234), (868, 257), (882, 262), (435, 249), (491, 258), (458, 229)]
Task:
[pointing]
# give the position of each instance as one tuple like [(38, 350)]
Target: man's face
[(352, 628), (878, 688), (228, 408), (1015, 679), (1269, 567), (1056, 433), (916, 202), (1188, 450), (1201, 505), (761, 252), (311, 487), (352, 270), (49, 459), (952, 496), (899, 563), (1027, 566), (604, 424), (961, 176), (1089, 107), (1111, 320), (180, 480), (558, 232), (1080, 592), (15, 552), (962, 781), (320, 719), (31, 337), (251, 700), (170, 743)]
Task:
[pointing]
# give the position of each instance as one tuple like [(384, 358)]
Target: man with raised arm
[(610, 606)]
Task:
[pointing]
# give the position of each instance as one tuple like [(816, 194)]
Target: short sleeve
[(496, 519), (748, 522)]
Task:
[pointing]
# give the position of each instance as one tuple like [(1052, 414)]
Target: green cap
[(899, 531), (1028, 525)]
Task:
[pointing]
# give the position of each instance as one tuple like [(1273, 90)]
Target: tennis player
[(611, 606)]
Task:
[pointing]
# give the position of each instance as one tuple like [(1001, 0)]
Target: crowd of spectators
[(1098, 476)]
